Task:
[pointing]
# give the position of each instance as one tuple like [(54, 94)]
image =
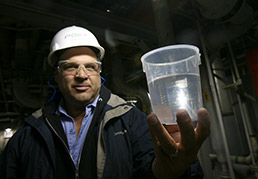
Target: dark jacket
[(117, 145)]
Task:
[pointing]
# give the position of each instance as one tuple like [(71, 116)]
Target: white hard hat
[(73, 36)]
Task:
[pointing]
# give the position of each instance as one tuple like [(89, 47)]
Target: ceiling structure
[(126, 28)]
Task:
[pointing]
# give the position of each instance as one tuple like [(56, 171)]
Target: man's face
[(79, 77)]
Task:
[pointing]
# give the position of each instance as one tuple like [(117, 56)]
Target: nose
[(81, 72)]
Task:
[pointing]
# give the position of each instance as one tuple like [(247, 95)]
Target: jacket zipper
[(76, 174), (67, 150), (77, 168)]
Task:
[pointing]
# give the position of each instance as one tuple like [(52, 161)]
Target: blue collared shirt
[(75, 144)]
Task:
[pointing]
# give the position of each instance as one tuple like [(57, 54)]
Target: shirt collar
[(62, 110)]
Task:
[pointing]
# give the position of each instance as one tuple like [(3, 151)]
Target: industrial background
[(226, 32)]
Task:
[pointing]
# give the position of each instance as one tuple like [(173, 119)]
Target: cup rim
[(196, 49)]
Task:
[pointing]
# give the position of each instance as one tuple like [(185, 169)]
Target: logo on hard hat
[(75, 36)]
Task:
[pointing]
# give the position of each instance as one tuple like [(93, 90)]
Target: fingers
[(190, 139), (185, 124), (160, 136), (203, 126), (152, 121)]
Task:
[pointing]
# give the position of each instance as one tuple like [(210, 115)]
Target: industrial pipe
[(216, 101)]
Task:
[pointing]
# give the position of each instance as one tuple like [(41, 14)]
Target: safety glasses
[(69, 68)]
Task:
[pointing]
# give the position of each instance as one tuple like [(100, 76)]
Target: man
[(88, 132)]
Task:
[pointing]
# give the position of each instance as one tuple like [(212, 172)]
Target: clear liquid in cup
[(173, 92)]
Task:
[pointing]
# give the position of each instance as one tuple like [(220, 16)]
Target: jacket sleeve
[(142, 147)]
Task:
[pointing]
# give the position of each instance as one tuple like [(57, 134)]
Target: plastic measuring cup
[(173, 79)]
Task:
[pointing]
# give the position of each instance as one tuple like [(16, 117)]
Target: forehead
[(78, 55)]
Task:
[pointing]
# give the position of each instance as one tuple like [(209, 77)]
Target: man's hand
[(176, 147)]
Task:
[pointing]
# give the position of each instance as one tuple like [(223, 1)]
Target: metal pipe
[(244, 120), (250, 129), (216, 101), (8, 114), (235, 159), (233, 62)]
